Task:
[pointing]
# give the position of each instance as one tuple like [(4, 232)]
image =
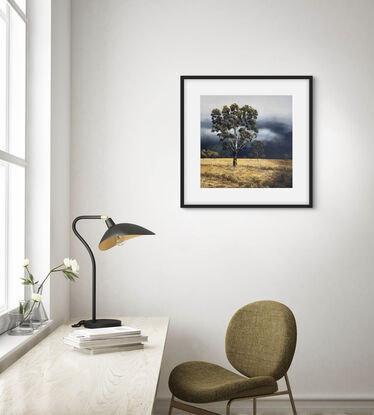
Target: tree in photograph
[(209, 154), (235, 127), (257, 150), (286, 157)]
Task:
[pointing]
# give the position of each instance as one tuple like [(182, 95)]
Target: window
[(12, 149)]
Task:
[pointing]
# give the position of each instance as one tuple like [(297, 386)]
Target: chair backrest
[(261, 339)]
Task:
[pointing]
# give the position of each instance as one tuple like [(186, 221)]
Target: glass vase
[(39, 316), (20, 322)]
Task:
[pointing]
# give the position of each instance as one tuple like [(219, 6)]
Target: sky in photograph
[(274, 120)]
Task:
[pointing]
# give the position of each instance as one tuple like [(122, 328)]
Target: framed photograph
[(246, 141)]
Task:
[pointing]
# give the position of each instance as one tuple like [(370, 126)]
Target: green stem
[(31, 279), (27, 269), (29, 313), (55, 269), (49, 273)]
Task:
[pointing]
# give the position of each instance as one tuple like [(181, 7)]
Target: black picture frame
[(309, 78)]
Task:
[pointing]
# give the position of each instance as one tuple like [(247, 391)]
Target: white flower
[(67, 262), (25, 262), (36, 297), (74, 266)]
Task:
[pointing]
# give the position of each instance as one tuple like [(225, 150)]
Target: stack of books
[(110, 339)]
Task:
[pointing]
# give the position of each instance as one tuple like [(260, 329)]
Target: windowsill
[(5, 312), (13, 347)]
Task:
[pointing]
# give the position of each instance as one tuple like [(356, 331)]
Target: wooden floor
[(279, 408)]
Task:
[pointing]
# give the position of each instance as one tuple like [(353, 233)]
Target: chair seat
[(202, 382)]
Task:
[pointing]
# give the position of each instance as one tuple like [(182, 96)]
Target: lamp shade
[(119, 233)]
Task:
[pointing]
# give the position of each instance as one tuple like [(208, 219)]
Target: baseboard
[(280, 406)]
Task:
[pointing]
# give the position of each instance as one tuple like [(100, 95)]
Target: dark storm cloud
[(206, 123), (281, 129), (274, 123), (268, 130)]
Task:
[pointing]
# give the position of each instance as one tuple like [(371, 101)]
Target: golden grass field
[(259, 173)]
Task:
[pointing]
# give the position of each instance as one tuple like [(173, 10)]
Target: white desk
[(53, 379)]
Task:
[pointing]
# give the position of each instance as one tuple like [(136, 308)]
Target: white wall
[(202, 265), (48, 150), (60, 154), (38, 149)]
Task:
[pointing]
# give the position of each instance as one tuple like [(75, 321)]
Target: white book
[(100, 350), (122, 339), (105, 332), (104, 342), (108, 339)]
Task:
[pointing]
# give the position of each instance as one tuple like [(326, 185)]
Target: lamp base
[(101, 322)]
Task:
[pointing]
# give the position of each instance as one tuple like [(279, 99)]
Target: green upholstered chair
[(260, 344)]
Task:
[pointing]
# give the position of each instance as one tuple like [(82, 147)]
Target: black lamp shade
[(115, 235), (119, 233)]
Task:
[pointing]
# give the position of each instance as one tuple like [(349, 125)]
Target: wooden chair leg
[(254, 406), (290, 395), (171, 405)]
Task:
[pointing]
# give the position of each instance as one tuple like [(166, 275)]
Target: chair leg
[(254, 406), (171, 405), (228, 405), (290, 395)]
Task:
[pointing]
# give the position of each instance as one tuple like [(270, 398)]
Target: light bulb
[(119, 241)]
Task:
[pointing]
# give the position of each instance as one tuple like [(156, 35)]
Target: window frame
[(6, 158)]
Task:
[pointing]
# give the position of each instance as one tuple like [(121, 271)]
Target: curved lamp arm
[(79, 236), (115, 235)]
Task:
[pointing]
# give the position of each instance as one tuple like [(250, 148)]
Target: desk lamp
[(116, 234)]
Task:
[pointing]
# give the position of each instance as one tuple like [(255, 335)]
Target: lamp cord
[(80, 323)]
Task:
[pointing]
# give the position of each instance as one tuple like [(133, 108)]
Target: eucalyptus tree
[(257, 150), (235, 126)]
